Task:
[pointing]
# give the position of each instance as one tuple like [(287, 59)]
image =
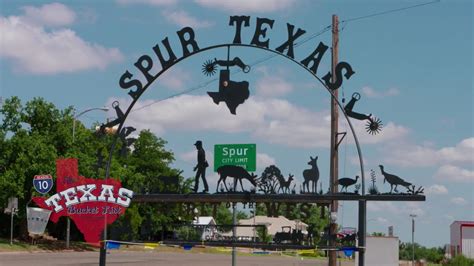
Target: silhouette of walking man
[(200, 167)]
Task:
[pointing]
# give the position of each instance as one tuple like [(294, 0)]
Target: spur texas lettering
[(189, 45), (86, 201)]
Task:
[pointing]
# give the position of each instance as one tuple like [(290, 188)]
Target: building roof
[(459, 223), (273, 224), (204, 220)]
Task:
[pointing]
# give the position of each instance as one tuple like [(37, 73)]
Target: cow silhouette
[(238, 173)]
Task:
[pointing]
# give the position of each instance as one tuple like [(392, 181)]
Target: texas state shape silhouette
[(89, 217)]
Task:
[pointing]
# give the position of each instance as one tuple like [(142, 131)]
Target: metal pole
[(254, 228), (11, 225), (234, 233), (362, 230), (68, 227), (334, 162), (413, 239)]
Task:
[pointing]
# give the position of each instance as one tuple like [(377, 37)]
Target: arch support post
[(362, 231)]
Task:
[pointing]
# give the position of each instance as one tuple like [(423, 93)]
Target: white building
[(380, 251), (206, 227), (462, 238), (273, 225)]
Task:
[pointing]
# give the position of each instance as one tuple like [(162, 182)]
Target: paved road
[(149, 258)]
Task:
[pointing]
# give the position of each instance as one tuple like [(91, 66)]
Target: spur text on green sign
[(244, 155)]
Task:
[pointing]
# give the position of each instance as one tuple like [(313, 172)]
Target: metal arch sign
[(166, 56), (43, 183), (147, 68)]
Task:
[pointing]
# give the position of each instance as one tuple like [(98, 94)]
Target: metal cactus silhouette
[(231, 92)]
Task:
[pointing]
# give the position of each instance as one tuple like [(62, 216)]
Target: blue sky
[(413, 70)]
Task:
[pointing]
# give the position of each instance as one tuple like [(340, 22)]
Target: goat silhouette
[(285, 184), (311, 175), (238, 173)]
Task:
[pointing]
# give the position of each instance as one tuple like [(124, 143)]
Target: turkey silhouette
[(89, 216)]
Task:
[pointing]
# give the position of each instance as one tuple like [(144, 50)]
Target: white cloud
[(148, 2), (458, 201), (54, 14), (436, 190), (406, 154), (175, 78), (190, 157), (271, 120), (450, 173), (248, 5), (264, 160), (389, 132), (371, 93), (396, 208), (272, 84), (381, 220), (183, 19), (275, 121), (31, 48)]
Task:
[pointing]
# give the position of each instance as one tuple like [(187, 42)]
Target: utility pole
[(334, 166)]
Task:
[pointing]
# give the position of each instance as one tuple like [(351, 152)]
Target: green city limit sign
[(244, 155)]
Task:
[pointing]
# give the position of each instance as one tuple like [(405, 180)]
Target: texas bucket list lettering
[(260, 37), (84, 193), (87, 201)]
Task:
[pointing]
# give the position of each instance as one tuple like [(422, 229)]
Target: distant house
[(272, 224), (206, 225), (462, 238)]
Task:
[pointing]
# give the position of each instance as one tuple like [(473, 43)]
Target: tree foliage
[(435, 255), (34, 135)]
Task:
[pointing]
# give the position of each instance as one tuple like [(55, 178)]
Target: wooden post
[(334, 166)]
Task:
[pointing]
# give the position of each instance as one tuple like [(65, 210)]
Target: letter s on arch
[(124, 196), (126, 82)]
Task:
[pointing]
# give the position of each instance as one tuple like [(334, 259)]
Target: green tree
[(34, 135), (459, 261), (435, 254), (377, 234)]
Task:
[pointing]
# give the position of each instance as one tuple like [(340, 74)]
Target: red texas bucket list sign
[(86, 201)]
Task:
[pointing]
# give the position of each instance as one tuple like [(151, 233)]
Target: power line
[(264, 59), (389, 11), (204, 84)]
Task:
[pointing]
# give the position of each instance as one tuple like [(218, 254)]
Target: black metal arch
[(139, 93)]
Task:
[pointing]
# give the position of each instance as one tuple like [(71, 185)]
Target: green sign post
[(244, 155)]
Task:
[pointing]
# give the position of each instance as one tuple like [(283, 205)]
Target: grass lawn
[(41, 245)]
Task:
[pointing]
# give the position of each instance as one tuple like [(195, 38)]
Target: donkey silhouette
[(311, 175)]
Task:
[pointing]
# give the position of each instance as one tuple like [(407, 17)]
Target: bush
[(459, 261)]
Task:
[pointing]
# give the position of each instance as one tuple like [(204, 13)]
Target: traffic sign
[(43, 183), (244, 155)]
